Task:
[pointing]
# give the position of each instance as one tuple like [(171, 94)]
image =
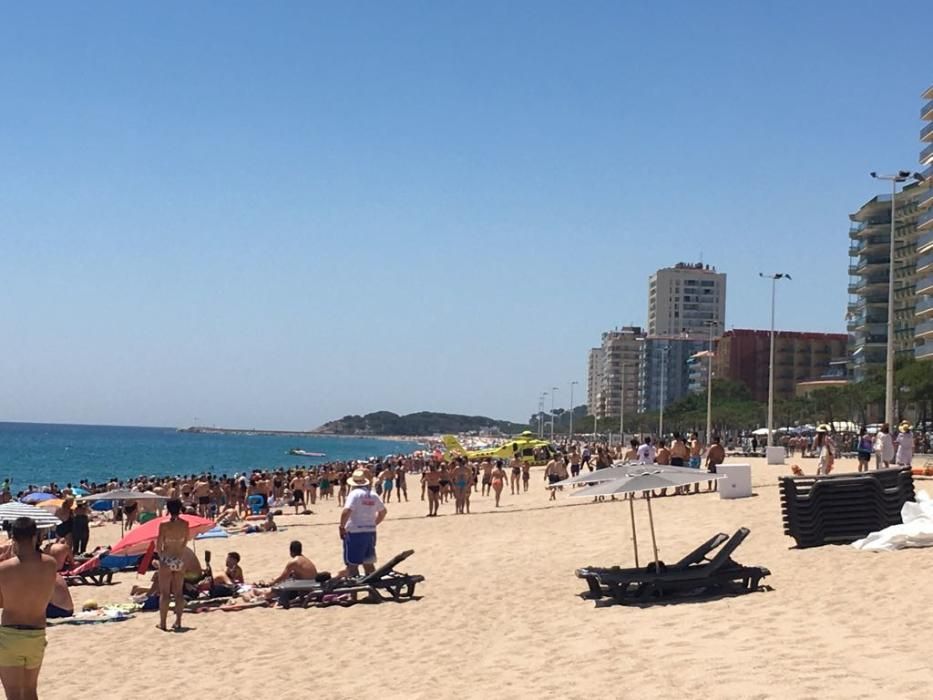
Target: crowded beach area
[(491, 604)]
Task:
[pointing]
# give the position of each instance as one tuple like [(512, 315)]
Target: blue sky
[(270, 215)]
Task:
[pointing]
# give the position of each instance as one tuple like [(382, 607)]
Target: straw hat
[(904, 427), (822, 428), (358, 478)]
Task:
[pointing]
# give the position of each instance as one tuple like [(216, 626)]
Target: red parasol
[(138, 539)]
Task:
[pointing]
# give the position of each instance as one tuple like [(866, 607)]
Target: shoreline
[(202, 430)]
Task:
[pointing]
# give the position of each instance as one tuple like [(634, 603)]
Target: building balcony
[(924, 198), (928, 93), (925, 263), (926, 112), (924, 308), (861, 229), (924, 352), (876, 339), (924, 285), (924, 329), (924, 242), (926, 133), (925, 220), (926, 156)]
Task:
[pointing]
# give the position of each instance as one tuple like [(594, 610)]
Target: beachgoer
[(646, 453), (515, 476), (401, 483), (715, 456), (663, 455), (65, 512), (487, 478), (80, 527), (498, 480), (864, 448), (552, 475), (526, 475), (679, 451), (696, 451), (825, 450), (905, 445), (631, 454), (171, 545), (297, 485), (27, 581), (431, 480), (362, 513), (299, 567), (462, 477)]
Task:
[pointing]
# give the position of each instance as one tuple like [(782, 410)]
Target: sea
[(38, 453)]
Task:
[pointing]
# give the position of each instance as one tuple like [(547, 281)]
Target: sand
[(500, 615)]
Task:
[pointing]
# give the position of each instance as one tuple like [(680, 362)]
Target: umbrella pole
[(654, 543), (631, 508)]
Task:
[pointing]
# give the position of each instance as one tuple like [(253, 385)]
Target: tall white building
[(924, 270), (685, 299), (614, 368)]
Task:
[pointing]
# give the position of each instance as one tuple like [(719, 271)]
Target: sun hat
[(822, 428), (904, 427), (359, 478)]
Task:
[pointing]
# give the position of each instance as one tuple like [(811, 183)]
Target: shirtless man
[(552, 476), (297, 485), (487, 478), (515, 476), (232, 575), (714, 457), (27, 581), (526, 475), (201, 495), (431, 479), (299, 567)]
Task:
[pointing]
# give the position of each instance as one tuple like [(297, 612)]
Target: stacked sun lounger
[(842, 508), (385, 583), (697, 574)]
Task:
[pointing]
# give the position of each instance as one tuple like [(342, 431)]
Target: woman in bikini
[(462, 476), (498, 480), (171, 543), (515, 480)]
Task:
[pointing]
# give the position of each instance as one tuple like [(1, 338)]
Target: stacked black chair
[(842, 508)]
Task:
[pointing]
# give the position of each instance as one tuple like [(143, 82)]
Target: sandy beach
[(500, 615)]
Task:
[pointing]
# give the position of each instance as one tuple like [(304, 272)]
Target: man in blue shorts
[(362, 513)]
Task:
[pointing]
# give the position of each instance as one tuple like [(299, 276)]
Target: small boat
[(303, 453)]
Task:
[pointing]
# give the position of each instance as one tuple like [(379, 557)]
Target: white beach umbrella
[(43, 519), (635, 478)]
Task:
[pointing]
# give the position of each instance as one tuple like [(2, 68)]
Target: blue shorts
[(694, 462), (359, 548)]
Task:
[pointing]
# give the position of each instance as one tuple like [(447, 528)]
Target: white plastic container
[(775, 454), (738, 481)]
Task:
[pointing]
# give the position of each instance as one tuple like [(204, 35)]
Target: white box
[(738, 481), (775, 455)]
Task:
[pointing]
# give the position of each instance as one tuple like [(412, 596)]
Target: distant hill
[(415, 424)]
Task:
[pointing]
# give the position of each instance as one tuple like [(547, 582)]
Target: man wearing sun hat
[(362, 513), (905, 445)]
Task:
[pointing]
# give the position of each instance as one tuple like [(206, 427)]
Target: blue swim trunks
[(359, 548), (694, 462)]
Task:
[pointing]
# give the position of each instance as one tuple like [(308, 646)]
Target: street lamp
[(901, 176), (571, 409), (666, 349), (709, 384), (622, 406), (774, 278), (541, 414), (553, 391)]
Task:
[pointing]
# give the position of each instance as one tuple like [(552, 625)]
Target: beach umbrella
[(43, 519), (635, 478), (51, 504), (36, 497), (125, 495), (619, 470), (138, 539)]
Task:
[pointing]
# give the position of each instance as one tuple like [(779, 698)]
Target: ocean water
[(36, 453)]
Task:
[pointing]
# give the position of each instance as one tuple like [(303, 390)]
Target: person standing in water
[(27, 581), (171, 543)]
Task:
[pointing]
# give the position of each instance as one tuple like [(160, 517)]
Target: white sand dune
[(500, 616)]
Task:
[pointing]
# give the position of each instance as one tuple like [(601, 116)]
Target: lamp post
[(664, 352), (900, 176), (709, 385), (774, 278), (553, 391), (622, 407), (541, 415), (571, 410)]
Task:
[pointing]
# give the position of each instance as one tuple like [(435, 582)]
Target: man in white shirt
[(362, 513), (646, 453)]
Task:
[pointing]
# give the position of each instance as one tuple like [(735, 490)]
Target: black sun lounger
[(593, 574), (719, 574), (90, 573), (384, 583)]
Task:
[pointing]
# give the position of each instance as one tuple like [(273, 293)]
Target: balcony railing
[(924, 304), (924, 240), (925, 198), (926, 155), (926, 112), (925, 220), (926, 133), (924, 352), (924, 285), (924, 328), (925, 261)]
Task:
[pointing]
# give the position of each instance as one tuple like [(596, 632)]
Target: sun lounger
[(384, 583), (592, 574), (705, 576), (90, 573)]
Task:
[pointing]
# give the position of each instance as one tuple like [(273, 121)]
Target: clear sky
[(273, 214)]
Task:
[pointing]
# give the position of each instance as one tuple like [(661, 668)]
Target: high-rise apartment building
[(593, 374), (686, 298), (614, 370), (665, 368), (923, 287), (744, 356)]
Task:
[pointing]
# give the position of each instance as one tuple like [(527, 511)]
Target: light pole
[(571, 410), (664, 352), (541, 415), (774, 278), (622, 407), (553, 391), (709, 385), (901, 176)]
